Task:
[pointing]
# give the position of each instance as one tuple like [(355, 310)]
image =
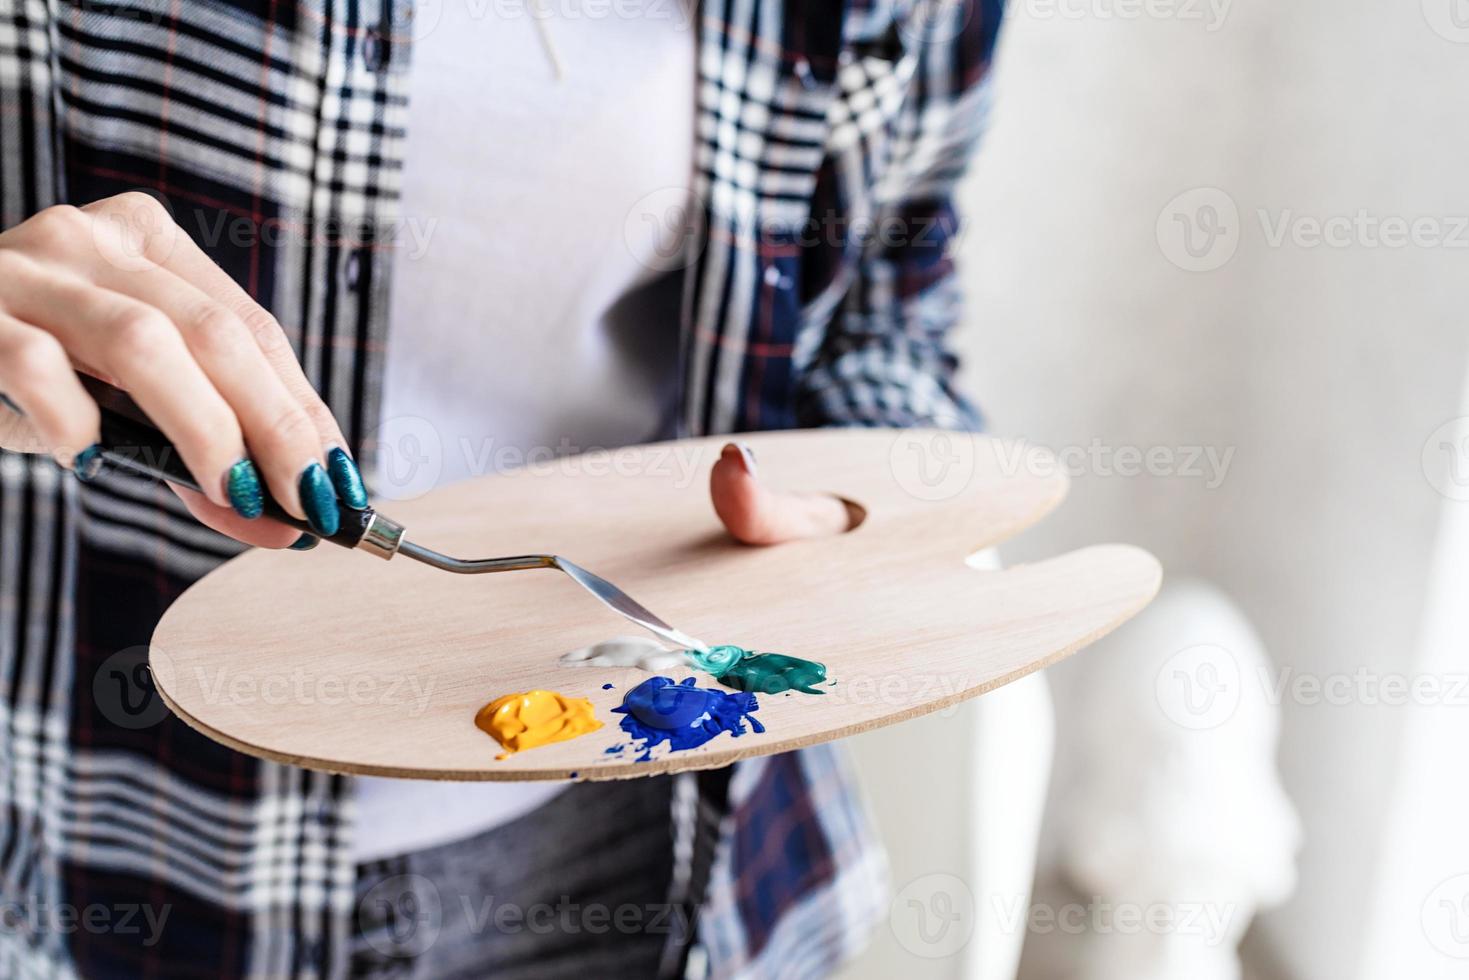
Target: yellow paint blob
[(524, 721)]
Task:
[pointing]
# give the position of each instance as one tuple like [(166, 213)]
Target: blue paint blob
[(606, 687), (661, 710)]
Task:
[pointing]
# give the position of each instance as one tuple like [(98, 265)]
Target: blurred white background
[(1315, 338)]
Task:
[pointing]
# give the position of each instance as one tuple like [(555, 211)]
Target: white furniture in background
[(1325, 370), (1168, 827), (958, 797)]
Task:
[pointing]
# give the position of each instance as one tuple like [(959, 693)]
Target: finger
[(755, 514), (139, 346), (18, 435), (263, 534), (180, 255), (37, 376), (283, 441)]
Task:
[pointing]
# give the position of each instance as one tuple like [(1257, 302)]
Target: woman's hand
[(117, 290), (755, 514)]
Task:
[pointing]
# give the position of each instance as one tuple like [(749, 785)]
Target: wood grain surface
[(336, 660)]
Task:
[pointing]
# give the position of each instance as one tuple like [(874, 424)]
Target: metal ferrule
[(381, 537)]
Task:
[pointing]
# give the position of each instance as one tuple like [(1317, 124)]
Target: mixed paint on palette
[(744, 670), (660, 710)]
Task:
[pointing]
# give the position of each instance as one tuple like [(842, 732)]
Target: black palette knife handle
[(131, 442)]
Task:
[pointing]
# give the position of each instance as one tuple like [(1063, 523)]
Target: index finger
[(170, 247)]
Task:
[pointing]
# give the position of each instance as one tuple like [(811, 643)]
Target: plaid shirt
[(818, 292)]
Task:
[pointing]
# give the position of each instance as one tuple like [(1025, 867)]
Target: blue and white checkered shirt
[(819, 291)]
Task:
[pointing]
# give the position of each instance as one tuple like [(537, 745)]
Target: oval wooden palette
[(340, 661)]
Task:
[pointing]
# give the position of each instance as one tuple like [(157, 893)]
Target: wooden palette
[(337, 660)]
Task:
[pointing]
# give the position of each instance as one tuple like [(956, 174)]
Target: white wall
[(1324, 369), (1423, 888)]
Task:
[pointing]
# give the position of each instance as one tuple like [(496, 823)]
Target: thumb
[(755, 514)]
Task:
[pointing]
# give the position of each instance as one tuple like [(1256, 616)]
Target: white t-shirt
[(535, 299)]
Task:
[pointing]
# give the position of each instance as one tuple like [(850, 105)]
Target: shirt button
[(372, 51), (772, 276), (309, 952), (804, 73)]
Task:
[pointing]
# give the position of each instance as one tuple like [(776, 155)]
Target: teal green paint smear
[(716, 660), (774, 673), (759, 673)]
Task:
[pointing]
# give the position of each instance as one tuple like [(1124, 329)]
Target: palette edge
[(728, 753)]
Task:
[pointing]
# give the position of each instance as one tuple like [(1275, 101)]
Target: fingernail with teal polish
[(346, 478), (319, 500), (242, 486), (305, 542), (88, 463)]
